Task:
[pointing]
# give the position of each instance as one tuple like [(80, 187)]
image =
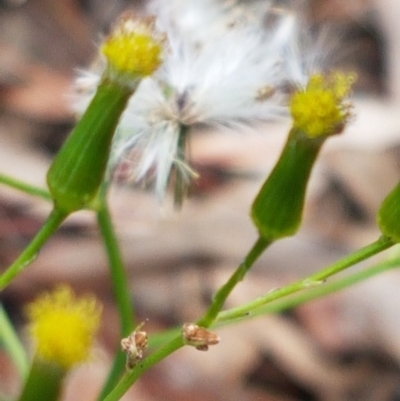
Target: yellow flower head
[(63, 326), (133, 48), (322, 109)]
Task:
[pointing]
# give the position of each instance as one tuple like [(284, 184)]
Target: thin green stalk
[(211, 314), (24, 187), (229, 316), (117, 269), (158, 339), (11, 342), (222, 294), (280, 305), (313, 280), (119, 283), (30, 253), (314, 293), (208, 318)]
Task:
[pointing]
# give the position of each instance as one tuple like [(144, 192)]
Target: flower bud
[(278, 207), (63, 328), (318, 111), (132, 51), (78, 169)]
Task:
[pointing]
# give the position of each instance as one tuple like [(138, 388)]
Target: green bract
[(278, 207), (78, 169), (389, 215), (44, 382)]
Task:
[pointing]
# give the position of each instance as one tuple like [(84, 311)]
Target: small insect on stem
[(134, 346), (198, 337)]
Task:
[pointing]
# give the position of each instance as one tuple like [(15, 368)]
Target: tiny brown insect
[(198, 337), (134, 346)]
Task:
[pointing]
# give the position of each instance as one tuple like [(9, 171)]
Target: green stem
[(157, 340), (229, 316), (117, 269), (11, 342), (52, 223), (208, 318), (222, 294), (316, 292), (315, 279), (119, 283), (24, 187), (211, 314)]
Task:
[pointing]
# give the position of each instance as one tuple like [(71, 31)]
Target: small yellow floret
[(133, 47), (63, 326), (321, 108)]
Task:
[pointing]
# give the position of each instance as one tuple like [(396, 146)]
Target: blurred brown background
[(345, 347)]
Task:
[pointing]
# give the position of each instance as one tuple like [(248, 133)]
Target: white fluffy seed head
[(221, 69)]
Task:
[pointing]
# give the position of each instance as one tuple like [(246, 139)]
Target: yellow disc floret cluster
[(63, 326), (321, 108), (133, 48)]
